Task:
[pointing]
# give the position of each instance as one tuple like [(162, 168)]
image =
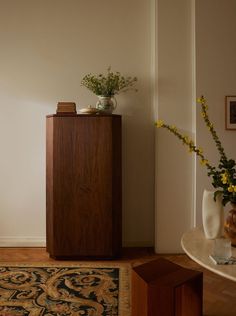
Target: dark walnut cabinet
[(83, 186)]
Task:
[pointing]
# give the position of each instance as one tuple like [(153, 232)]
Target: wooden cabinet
[(83, 186)]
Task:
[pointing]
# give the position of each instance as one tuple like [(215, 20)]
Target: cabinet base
[(85, 258)]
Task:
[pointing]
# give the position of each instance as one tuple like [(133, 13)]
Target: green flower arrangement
[(223, 176), (108, 85)]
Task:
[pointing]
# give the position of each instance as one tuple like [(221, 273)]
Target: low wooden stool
[(163, 288)]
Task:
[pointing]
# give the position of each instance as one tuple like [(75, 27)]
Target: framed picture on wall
[(230, 112)]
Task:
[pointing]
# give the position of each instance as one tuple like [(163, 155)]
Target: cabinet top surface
[(83, 115)]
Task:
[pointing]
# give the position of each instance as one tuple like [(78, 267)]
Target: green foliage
[(224, 176), (108, 85)]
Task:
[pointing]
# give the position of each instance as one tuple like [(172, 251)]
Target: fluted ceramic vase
[(106, 104), (212, 215)]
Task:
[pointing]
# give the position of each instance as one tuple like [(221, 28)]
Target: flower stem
[(211, 128), (188, 142)]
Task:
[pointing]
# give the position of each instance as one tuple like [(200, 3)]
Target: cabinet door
[(86, 189)]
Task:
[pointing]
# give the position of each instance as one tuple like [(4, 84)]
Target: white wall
[(215, 78), (174, 175), (196, 55), (46, 48)]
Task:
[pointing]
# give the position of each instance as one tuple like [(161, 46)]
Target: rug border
[(124, 305)]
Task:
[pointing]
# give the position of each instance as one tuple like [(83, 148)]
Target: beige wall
[(46, 48), (196, 55), (174, 175), (215, 78)]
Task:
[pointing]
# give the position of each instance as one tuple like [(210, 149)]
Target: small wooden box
[(66, 108), (162, 288)]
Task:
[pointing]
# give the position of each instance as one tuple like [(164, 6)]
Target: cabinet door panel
[(83, 215)]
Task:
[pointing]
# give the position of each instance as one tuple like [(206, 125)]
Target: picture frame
[(230, 112)]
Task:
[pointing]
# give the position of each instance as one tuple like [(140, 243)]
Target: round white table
[(198, 248)]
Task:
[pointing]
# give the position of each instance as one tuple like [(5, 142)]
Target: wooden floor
[(219, 293)]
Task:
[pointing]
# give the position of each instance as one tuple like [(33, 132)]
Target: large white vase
[(212, 215)]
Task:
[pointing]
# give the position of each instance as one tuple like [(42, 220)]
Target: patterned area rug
[(64, 290)]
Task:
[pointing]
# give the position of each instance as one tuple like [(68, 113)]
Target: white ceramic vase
[(212, 215)]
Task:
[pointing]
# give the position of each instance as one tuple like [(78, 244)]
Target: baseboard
[(22, 242), (140, 243)]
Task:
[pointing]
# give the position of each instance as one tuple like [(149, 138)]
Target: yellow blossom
[(159, 123), (210, 126), (173, 128), (203, 162), (231, 188), (186, 139), (203, 114), (201, 100), (224, 178)]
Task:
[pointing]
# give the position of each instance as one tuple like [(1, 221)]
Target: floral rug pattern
[(53, 291)]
